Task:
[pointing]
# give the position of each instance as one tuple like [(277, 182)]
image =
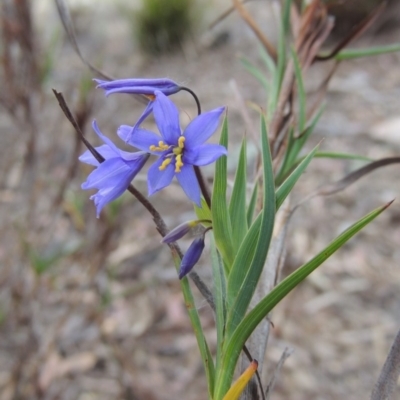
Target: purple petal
[(141, 138), (138, 86), (157, 179), (167, 118), (179, 232), (191, 257), (112, 172), (126, 135), (190, 185), (111, 178), (105, 139), (204, 154), (202, 127), (104, 150)]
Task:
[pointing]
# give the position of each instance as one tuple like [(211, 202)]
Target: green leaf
[(295, 146), (205, 353), (219, 210), (248, 284), (268, 61), (300, 91), (242, 261), (237, 205), (350, 54), (235, 343), (252, 205), (273, 94), (203, 213), (283, 191), (219, 297), (342, 156), (253, 70)]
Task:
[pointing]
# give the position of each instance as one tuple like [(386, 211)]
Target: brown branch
[(255, 28)]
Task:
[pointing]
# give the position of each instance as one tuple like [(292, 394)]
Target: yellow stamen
[(181, 142), (165, 164), (161, 146), (178, 163)]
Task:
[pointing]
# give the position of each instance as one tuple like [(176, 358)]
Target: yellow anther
[(161, 146), (164, 164), (181, 142), (178, 163)]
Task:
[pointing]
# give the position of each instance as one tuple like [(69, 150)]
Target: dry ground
[(106, 319)]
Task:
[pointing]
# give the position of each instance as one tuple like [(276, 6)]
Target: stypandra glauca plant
[(245, 227)]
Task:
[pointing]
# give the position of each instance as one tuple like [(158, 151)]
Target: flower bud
[(191, 257), (179, 232)]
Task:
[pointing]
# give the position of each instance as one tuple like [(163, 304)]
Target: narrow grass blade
[(205, 353), (219, 210), (219, 297), (252, 205), (340, 156), (296, 145), (237, 205), (268, 61), (283, 191), (255, 316), (203, 213), (350, 54), (247, 286), (242, 261), (300, 92), (253, 70)]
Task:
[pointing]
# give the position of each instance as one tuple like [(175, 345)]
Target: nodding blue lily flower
[(113, 176), (191, 257), (178, 152), (146, 87)]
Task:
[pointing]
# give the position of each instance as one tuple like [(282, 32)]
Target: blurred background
[(91, 308)]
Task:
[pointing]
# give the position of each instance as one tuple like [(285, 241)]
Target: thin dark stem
[(203, 186), (196, 99), (199, 175)]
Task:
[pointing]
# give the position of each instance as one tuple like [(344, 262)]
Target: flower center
[(176, 154)]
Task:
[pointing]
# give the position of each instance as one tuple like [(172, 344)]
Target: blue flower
[(178, 152), (146, 87), (139, 86), (113, 176), (191, 257)]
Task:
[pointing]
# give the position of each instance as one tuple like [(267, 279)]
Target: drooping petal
[(204, 154), (105, 139), (157, 179), (142, 139), (104, 150), (190, 185), (138, 86), (147, 111), (202, 127), (112, 172), (191, 256), (167, 118)]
